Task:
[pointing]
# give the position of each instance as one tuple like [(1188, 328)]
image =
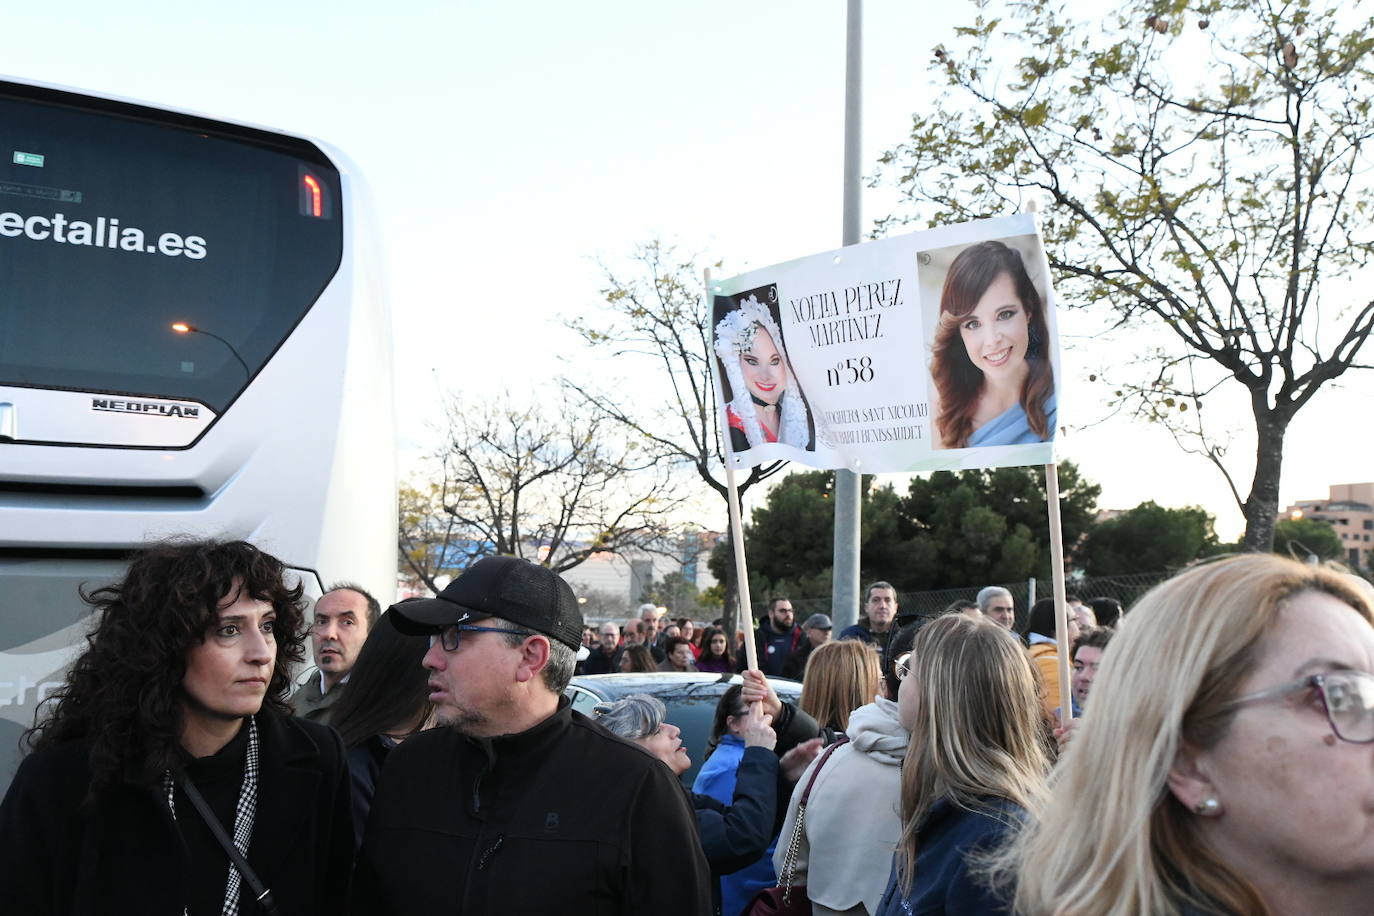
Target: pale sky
[(509, 146)]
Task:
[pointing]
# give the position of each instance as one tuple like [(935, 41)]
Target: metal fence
[(1126, 589)]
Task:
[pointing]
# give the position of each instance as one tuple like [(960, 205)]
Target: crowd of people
[(1213, 760)]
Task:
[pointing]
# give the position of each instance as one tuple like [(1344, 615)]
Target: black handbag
[(789, 898)]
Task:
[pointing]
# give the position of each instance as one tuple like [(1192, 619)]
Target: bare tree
[(659, 318), (556, 490), (1207, 170)]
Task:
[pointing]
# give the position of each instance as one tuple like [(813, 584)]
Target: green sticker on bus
[(33, 159)]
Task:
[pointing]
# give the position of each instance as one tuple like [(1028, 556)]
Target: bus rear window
[(162, 259)]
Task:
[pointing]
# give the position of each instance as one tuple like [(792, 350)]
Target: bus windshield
[(164, 260)]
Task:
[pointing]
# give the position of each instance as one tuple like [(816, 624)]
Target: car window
[(691, 706), (583, 700), (692, 714)]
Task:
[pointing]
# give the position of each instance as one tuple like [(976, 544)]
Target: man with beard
[(520, 805)]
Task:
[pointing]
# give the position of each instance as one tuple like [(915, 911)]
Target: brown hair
[(839, 678), (958, 381), (641, 659)]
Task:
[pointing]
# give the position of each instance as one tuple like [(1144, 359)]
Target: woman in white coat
[(853, 819)]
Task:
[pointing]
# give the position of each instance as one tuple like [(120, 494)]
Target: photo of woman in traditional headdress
[(990, 356), (764, 403)]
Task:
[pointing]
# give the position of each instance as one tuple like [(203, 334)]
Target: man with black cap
[(520, 805)]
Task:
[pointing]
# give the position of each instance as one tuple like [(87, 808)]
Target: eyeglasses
[(902, 666), (451, 637), (1347, 697)]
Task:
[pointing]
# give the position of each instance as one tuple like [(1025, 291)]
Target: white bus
[(192, 341)]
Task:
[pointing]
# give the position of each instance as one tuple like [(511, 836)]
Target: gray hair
[(987, 594), (558, 670), (636, 716)]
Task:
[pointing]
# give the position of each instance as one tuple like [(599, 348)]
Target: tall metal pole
[(844, 596)]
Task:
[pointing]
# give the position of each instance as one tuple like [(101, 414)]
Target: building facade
[(1350, 510)]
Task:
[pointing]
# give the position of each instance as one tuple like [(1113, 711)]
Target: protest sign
[(936, 350)]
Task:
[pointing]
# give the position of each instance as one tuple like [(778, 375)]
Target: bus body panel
[(301, 460)]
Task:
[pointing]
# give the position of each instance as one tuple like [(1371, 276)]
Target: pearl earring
[(1208, 807)]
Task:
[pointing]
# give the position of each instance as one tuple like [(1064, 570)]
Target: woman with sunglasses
[(1226, 762)]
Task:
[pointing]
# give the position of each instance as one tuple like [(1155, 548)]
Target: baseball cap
[(817, 621), (513, 589)]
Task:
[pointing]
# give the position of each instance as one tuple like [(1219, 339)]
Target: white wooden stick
[(1061, 607), (746, 607)]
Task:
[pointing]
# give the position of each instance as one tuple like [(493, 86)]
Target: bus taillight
[(314, 196)]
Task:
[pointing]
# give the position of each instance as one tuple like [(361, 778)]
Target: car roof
[(690, 700), (672, 683)]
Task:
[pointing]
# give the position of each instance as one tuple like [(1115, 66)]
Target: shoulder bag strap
[(789, 862), (262, 894)]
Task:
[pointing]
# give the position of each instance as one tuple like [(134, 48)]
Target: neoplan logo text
[(145, 407)]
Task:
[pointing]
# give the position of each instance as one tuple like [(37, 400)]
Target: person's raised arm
[(734, 837)]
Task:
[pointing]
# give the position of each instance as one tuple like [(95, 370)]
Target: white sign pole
[(1061, 607), (746, 607)]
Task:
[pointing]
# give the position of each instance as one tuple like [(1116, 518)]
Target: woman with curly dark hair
[(174, 724)]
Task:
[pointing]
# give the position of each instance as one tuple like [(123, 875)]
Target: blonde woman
[(1225, 764), (974, 768), (840, 677)]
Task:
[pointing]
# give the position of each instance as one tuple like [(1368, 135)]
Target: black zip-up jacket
[(122, 852), (564, 817)]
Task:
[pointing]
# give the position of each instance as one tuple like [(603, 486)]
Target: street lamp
[(182, 327)]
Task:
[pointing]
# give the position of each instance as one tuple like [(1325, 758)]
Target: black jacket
[(122, 852), (562, 818), (736, 836), (598, 662), (795, 666), (365, 760), (773, 648)]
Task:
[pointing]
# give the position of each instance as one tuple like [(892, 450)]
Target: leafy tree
[(513, 482), (974, 527), (991, 526), (788, 542), (1206, 169), (889, 551), (1148, 538), (430, 543), (658, 316), (1302, 537)]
